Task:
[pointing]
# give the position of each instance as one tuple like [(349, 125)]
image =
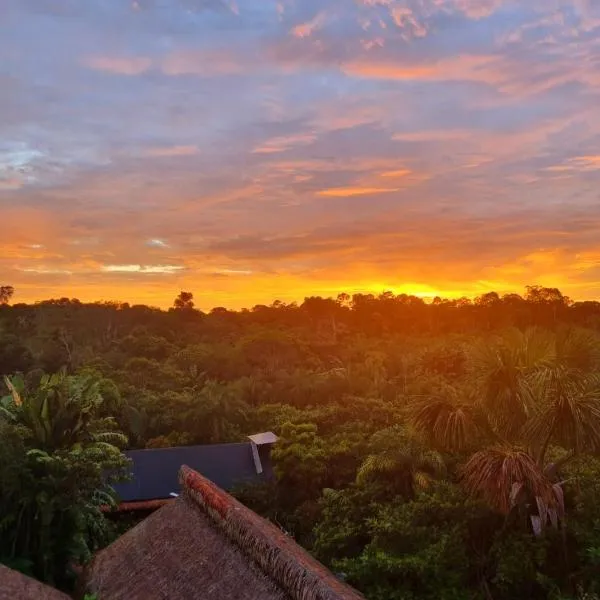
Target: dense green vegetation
[(58, 443), (442, 450)]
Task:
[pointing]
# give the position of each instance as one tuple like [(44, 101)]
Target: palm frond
[(396, 450), (7, 414), (537, 349), (578, 348), (505, 370), (500, 474), (569, 415), (448, 423), (373, 465), (422, 480), (111, 437), (14, 392)]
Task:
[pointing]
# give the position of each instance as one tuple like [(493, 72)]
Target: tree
[(185, 301), (403, 460), (58, 458), (535, 390), (6, 293), (451, 421), (502, 475)]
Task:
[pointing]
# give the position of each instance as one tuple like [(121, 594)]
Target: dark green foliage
[(57, 449), (418, 549), (427, 450)]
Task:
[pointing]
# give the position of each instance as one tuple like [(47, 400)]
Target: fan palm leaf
[(396, 451), (450, 423), (502, 474), (568, 415), (501, 371), (577, 349)]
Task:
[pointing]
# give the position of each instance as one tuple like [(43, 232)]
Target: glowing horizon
[(153, 297), (249, 150)]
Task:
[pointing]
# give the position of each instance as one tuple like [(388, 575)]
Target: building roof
[(268, 437), (15, 585), (206, 544), (154, 471)]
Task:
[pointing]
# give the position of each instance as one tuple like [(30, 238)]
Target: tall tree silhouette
[(185, 300), (6, 293)]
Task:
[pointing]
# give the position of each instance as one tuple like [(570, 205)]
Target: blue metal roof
[(155, 471)]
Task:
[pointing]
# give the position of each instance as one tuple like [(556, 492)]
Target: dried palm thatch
[(142, 505), (14, 585), (205, 544), (503, 474)]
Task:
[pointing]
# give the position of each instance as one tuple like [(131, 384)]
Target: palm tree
[(401, 459), (500, 473), (66, 454), (533, 390), (500, 373), (567, 412), (64, 411), (452, 421)]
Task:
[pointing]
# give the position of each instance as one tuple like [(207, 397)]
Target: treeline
[(65, 329), (443, 450)]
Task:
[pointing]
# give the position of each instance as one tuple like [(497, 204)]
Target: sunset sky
[(248, 150)]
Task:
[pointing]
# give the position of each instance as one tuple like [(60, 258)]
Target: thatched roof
[(15, 586), (206, 544)]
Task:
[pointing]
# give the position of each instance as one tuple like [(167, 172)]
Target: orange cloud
[(398, 173), (119, 65), (341, 192), (279, 144), (422, 254), (578, 163), (466, 67), (590, 162), (151, 269)]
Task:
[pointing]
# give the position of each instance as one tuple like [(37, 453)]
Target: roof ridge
[(279, 556)]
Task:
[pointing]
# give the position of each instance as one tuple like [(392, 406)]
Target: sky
[(253, 150)]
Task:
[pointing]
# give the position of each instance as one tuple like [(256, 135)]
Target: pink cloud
[(478, 9), (120, 65), (171, 151), (432, 136), (12, 183), (578, 163), (405, 19), (309, 27), (396, 173), (279, 144), (200, 62)]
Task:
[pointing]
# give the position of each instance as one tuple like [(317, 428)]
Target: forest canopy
[(445, 449)]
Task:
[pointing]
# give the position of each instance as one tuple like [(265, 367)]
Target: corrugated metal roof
[(155, 471), (268, 437)]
